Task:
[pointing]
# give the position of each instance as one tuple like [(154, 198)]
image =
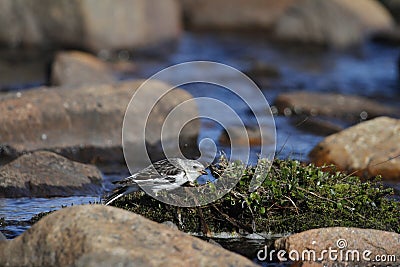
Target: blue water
[(23, 209), (369, 71)]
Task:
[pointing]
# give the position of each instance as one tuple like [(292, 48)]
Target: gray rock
[(316, 125), (337, 23), (46, 174), (89, 24), (348, 107), (85, 123), (96, 235), (2, 237)]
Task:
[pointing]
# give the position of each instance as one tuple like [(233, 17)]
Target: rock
[(317, 125), (46, 174), (89, 25), (369, 148), (393, 6), (336, 23), (260, 68), (390, 37), (85, 123), (262, 73), (76, 68), (238, 137), (96, 235), (343, 239), (2, 237), (171, 225), (234, 14), (215, 243), (22, 68), (348, 107)]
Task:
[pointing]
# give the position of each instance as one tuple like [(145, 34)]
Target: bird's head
[(194, 168)]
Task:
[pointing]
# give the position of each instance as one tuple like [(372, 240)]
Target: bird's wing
[(162, 171)]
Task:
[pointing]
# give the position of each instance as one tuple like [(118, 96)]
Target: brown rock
[(349, 239), (75, 68), (95, 235), (46, 174), (370, 148), (87, 24), (337, 23), (233, 14), (349, 107), (85, 123)]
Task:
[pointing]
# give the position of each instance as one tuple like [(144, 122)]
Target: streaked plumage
[(165, 174)]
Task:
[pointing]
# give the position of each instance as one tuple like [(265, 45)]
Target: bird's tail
[(119, 192)]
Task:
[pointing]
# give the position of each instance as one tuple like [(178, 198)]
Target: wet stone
[(46, 174)]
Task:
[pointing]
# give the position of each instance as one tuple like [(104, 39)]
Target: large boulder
[(85, 123), (348, 107), (370, 148), (347, 242), (337, 23), (95, 235), (46, 174), (89, 24), (233, 14), (76, 68)]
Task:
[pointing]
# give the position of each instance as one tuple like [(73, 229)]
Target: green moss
[(292, 198)]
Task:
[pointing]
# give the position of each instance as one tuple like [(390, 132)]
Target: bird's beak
[(203, 172)]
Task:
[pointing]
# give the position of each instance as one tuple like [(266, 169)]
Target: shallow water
[(17, 210), (369, 71)]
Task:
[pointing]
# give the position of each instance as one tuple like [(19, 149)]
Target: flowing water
[(368, 71)]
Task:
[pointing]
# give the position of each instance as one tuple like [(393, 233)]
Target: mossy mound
[(293, 197)]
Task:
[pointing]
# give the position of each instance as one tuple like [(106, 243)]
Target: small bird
[(165, 174)]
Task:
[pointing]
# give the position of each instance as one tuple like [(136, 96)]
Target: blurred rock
[(390, 37), (95, 235), (46, 174), (2, 237), (370, 148), (75, 68), (89, 24), (348, 107), (233, 14), (317, 125), (20, 68), (262, 73), (85, 123), (343, 239), (336, 23), (238, 136)]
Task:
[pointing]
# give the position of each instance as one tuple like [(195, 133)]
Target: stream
[(368, 71)]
